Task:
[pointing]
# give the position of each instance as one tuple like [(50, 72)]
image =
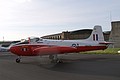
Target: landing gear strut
[(18, 60), (54, 59)]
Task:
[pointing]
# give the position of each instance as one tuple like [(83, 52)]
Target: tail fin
[(97, 34)]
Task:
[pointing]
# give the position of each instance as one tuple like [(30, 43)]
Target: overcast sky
[(24, 18)]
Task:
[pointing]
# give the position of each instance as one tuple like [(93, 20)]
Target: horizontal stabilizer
[(106, 43)]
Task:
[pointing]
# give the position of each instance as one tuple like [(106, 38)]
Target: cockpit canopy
[(34, 39)]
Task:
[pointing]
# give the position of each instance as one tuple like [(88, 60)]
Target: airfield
[(74, 67)]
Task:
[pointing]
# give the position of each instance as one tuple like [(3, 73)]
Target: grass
[(106, 51)]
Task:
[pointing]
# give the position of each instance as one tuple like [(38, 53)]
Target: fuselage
[(47, 47)]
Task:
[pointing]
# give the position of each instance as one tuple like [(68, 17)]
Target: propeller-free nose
[(12, 49)]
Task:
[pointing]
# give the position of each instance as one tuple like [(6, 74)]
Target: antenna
[(110, 17), (3, 38)]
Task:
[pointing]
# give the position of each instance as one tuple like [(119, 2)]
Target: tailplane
[(97, 34)]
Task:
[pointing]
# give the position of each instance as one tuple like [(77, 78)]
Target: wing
[(54, 50)]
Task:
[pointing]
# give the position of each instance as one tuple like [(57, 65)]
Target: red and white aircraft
[(54, 47)]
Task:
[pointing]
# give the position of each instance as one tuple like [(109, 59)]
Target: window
[(24, 49)]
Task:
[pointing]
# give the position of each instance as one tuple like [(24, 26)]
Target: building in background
[(77, 34), (115, 33), (66, 35)]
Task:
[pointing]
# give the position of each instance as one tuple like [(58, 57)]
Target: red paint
[(90, 48), (18, 50), (54, 50), (34, 50)]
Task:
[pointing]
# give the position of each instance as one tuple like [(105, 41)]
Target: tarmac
[(74, 67)]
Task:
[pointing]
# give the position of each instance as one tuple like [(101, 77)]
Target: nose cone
[(16, 50), (21, 51), (13, 50)]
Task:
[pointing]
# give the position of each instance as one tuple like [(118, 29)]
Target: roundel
[(73, 45)]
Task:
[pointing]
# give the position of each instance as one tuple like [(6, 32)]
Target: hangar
[(77, 34)]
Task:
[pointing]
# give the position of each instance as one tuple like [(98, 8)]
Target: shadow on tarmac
[(93, 66), (86, 66), (101, 66)]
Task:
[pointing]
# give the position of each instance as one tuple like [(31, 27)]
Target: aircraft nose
[(13, 49)]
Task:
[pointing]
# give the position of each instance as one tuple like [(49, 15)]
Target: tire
[(18, 60)]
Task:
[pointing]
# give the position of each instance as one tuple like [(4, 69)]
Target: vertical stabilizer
[(97, 34)]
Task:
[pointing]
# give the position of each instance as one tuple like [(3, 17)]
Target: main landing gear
[(18, 59), (54, 59)]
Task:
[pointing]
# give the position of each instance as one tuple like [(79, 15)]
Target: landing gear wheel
[(54, 59), (59, 61), (18, 60)]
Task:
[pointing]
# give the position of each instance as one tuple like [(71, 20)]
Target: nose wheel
[(18, 60)]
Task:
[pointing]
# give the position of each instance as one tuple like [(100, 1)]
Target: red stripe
[(40, 50), (90, 48)]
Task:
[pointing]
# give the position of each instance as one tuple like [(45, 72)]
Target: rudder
[(97, 34)]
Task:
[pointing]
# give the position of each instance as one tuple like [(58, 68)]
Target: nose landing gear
[(18, 60)]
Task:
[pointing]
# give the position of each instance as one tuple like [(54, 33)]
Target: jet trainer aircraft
[(55, 47)]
